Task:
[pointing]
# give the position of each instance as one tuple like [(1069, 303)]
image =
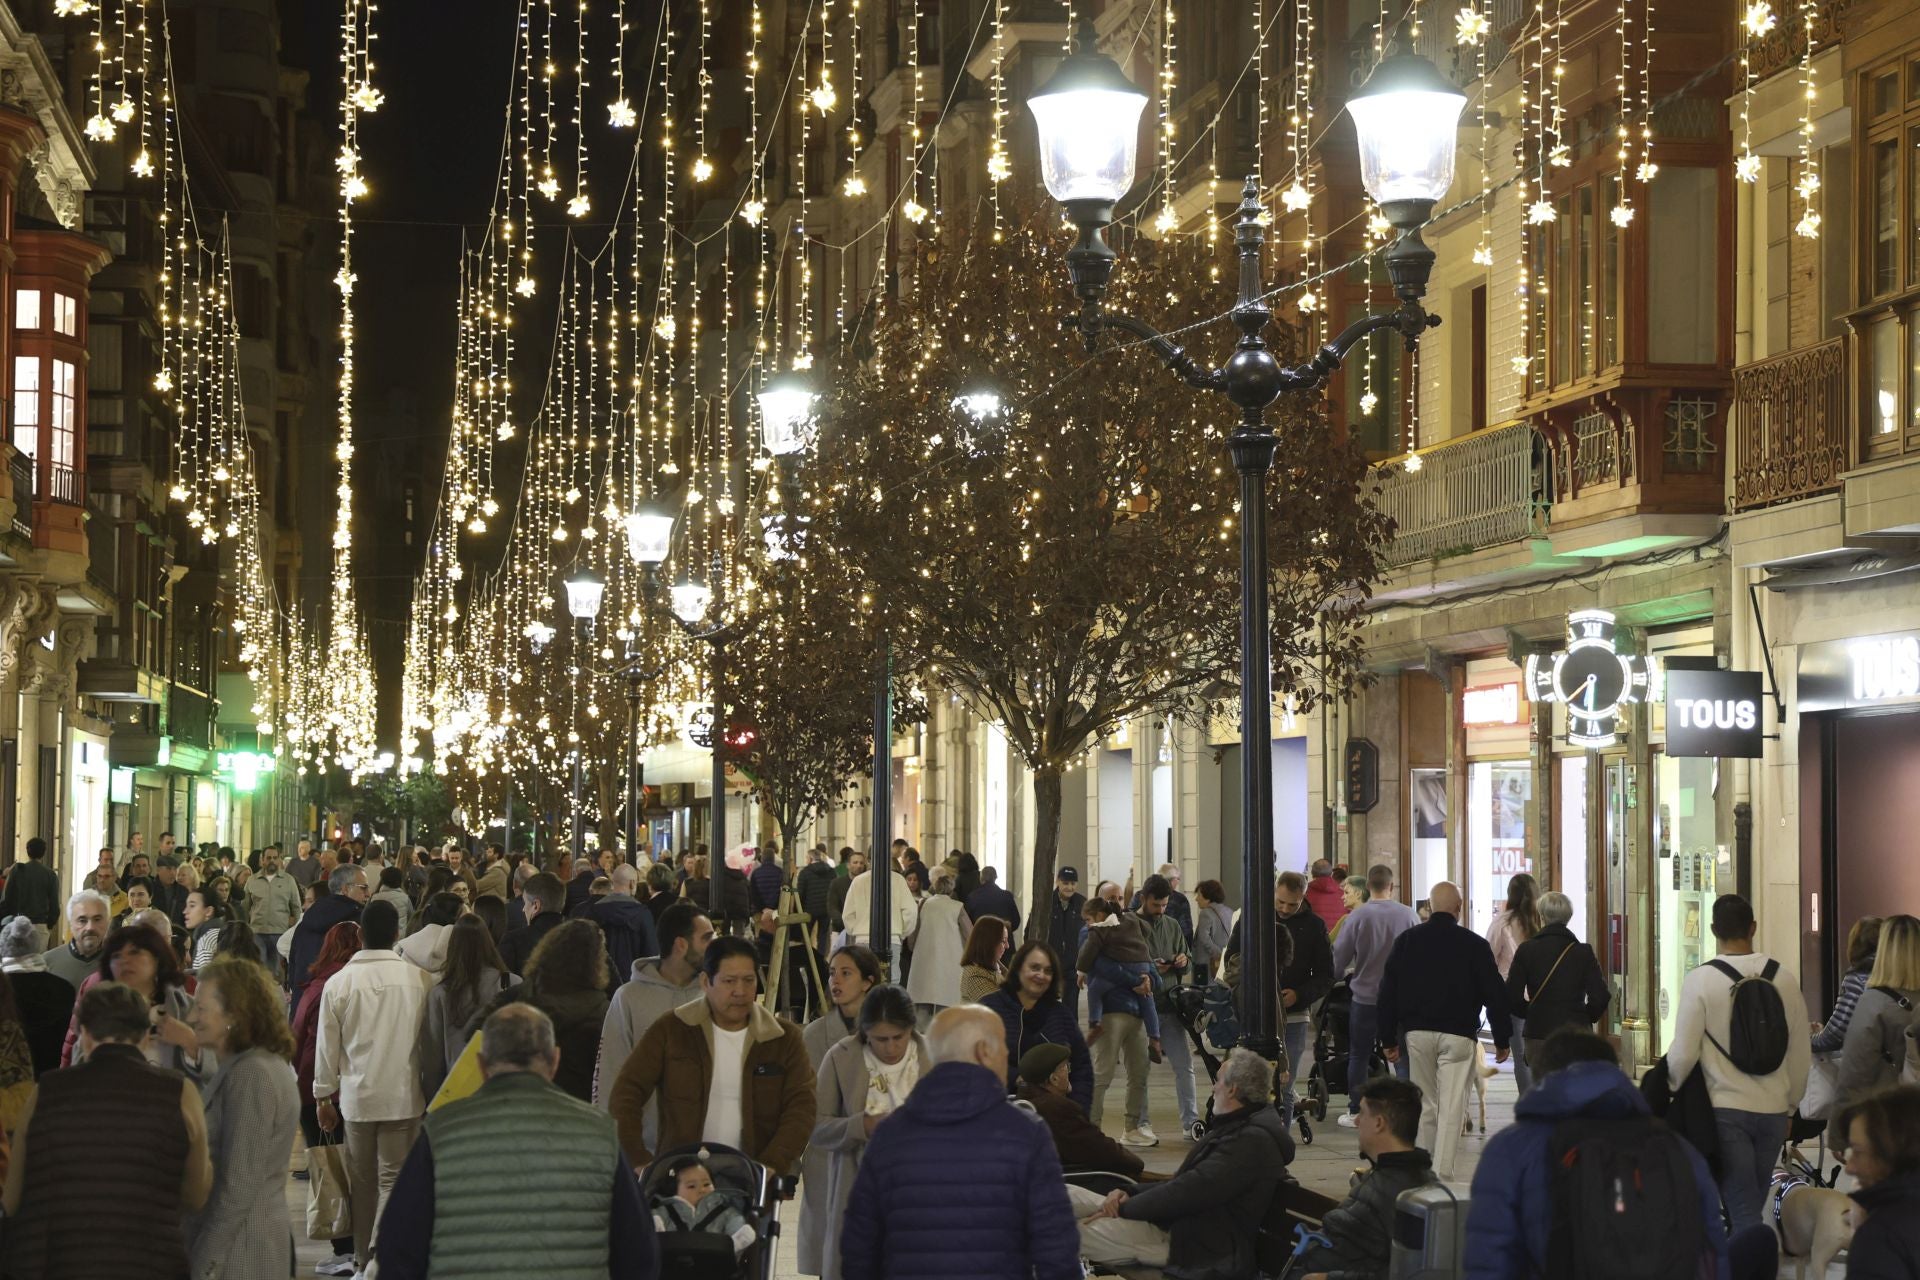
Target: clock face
[(1590, 680)]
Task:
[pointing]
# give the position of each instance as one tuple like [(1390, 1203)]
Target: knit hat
[(1041, 1061), (16, 940)]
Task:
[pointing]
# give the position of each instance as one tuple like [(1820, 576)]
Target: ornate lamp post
[(1405, 116), (584, 591)]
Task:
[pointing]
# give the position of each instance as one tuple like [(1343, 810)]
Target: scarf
[(24, 964), (888, 1086)]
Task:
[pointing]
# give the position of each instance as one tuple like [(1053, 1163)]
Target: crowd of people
[(499, 1068)]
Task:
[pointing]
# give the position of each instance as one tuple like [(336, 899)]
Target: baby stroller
[(1331, 1050), (745, 1186), (1212, 1023)]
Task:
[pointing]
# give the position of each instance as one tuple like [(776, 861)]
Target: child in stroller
[(716, 1213), (1114, 956)]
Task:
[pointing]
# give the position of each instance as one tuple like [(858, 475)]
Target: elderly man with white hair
[(958, 1181), (79, 956), (1204, 1219)]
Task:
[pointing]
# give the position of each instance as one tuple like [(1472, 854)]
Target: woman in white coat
[(939, 940), (863, 1079)]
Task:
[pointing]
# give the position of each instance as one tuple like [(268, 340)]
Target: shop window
[(1575, 879), (26, 308), (65, 400), (26, 405), (66, 315), (1686, 840), (1497, 795)]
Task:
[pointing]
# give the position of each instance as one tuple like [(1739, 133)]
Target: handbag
[(329, 1211), (1823, 1089)]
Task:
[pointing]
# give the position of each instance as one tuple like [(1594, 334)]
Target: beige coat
[(840, 1133)]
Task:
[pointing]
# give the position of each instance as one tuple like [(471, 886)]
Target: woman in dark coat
[(1883, 1154), (1029, 1003), (44, 998), (566, 979)]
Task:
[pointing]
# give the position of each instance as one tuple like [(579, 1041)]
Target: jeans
[(269, 944), (1363, 1029), (1522, 1070), (1442, 1067), (1121, 1036), (1295, 1036), (1179, 1054), (1749, 1146)]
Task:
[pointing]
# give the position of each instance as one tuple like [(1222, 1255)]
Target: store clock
[(1591, 677)]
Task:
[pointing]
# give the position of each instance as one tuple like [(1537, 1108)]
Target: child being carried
[(1114, 958)]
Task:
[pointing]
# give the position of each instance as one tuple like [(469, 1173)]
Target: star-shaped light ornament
[(621, 115), (142, 166), (752, 211), (1747, 167), (1808, 184), (1561, 155), (1415, 462), (99, 129), (999, 167), (855, 185), (1539, 211), (578, 206), (353, 186), (71, 8), (1167, 221), (123, 110), (1296, 197), (1377, 225), (1808, 228), (1520, 364), (1647, 171), (549, 187), (1759, 19), (1483, 255), (524, 286), (367, 98), (1622, 215), (915, 212), (665, 327), (163, 380), (1369, 402), (1470, 26), (343, 280), (1308, 302), (823, 97), (702, 169)]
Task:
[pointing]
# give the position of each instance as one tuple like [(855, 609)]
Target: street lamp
[(786, 414), (585, 588), (649, 536), (1404, 114)]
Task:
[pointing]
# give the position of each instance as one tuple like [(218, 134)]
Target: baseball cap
[(1041, 1061), (1069, 875)]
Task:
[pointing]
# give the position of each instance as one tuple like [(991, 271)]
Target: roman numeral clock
[(1592, 678)]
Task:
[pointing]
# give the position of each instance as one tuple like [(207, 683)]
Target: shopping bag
[(329, 1212), (1823, 1089), (464, 1079)]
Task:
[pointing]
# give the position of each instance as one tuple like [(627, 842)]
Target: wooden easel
[(787, 922)]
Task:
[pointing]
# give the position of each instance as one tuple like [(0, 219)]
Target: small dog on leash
[(1483, 1071), (1813, 1221)]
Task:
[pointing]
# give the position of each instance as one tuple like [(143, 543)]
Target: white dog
[(1813, 1222)]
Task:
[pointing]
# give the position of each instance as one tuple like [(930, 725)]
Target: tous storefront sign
[(1861, 672)]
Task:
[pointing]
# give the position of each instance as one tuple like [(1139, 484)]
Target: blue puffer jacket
[(1513, 1190), (1048, 1022), (958, 1182)]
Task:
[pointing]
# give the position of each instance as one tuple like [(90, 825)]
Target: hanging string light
[(1807, 185), (1168, 220), (999, 164)]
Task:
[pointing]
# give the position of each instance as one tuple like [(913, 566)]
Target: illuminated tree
[(1071, 563)]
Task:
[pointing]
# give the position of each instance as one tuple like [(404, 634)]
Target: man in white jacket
[(366, 1065), (858, 912), (1750, 1111), (657, 988)]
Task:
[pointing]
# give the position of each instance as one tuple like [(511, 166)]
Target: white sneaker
[(341, 1264), (1144, 1136), (1348, 1120)]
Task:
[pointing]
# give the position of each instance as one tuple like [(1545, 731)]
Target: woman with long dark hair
[(1513, 926), (472, 976), (137, 955), (566, 979), (981, 965)]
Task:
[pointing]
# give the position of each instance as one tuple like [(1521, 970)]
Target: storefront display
[(1685, 878), (1497, 796)]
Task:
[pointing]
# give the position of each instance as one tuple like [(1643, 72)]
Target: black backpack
[(1625, 1203), (1757, 1030)]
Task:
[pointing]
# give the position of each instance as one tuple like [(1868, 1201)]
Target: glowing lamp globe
[(1088, 117), (978, 405), (1406, 117), (649, 535), (584, 590), (689, 601), (786, 414)]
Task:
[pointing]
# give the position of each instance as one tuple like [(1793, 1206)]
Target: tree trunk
[(1046, 849)]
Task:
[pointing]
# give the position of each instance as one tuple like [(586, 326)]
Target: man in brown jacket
[(727, 1071), (1081, 1143)]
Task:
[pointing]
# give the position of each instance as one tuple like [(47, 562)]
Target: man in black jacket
[(992, 900), (1361, 1226), (1555, 980), (1438, 978), (1201, 1223), (33, 891), (347, 892), (1063, 930), (1304, 979), (545, 898)]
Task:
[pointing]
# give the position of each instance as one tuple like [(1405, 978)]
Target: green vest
[(523, 1183)]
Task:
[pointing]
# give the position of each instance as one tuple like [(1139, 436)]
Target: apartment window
[(66, 315), (1683, 264), (1887, 324), (1884, 245), (1574, 276), (26, 405), (65, 400), (26, 308)]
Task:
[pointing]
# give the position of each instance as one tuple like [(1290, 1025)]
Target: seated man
[(1045, 1086), (1202, 1222), (1361, 1227), (1576, 1076)]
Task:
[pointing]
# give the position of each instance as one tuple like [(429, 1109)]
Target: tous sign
[(1713, 713), (1885, 667)]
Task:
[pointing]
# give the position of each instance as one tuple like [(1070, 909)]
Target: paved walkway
[(1327, 1165)]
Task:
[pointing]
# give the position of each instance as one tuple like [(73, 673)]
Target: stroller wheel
[(1198, 1130), (1306, 1129)]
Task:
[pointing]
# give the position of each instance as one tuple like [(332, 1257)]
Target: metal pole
[(633, 765), (579, 828), (717, 865), (506, 836), (880, 929), (1252, 446)]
